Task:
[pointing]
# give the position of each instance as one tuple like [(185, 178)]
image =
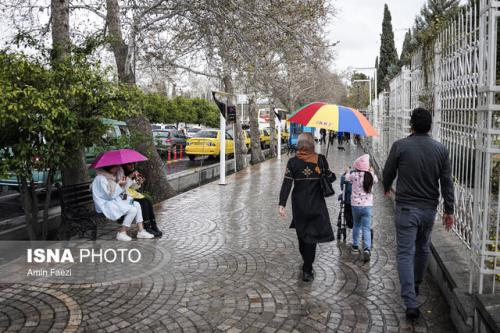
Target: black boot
[(149, 227), (155, 231)]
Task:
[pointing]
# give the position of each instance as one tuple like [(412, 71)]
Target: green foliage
[(44, 113), (434, 10), (388, 53), (358, 92), (160, 109), (406, 52)]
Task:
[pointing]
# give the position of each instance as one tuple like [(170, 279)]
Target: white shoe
[(144, 234), (122, 236)]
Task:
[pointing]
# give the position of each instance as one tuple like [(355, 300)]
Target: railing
[(457, 79)]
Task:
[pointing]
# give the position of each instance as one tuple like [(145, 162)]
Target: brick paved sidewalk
[(230, 264)]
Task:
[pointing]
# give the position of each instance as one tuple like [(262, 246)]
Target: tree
[(358, 92), (154, 169), (388, 53), (74, 170), (434, 10), (42, 120), (407, 50)]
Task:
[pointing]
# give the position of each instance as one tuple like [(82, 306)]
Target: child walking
[(362, 180)]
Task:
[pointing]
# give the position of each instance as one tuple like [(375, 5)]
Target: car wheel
[(191, 157)]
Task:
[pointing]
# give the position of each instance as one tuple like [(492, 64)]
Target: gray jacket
[(421, 164)]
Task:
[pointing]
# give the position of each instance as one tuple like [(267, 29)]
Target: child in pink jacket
[(362, 180)]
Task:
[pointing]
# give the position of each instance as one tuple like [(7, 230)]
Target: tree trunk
[(154, 170), (28, 207), (120, 48), (74, 171), (257, 155), (61, 42), (240, 150), (46, 205)]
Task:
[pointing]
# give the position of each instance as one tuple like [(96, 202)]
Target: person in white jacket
[(110, 199)]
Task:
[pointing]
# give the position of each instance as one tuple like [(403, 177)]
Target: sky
[(358, 25)]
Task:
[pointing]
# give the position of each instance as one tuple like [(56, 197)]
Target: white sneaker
[(144, 234), (122, 236)]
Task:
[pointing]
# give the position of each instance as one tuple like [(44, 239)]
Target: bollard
[(175, 153), (168, 155), (180, 153)]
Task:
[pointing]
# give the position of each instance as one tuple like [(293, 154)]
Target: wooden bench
[(78, 215)]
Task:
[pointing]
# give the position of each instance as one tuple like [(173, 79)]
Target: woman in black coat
[(310, 214)]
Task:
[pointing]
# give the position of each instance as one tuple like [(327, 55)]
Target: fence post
[(436, 124)]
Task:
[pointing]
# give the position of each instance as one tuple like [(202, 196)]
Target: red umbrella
[(117, 157)]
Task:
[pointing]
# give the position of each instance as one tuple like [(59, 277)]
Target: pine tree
[(435, 9), (388, 53), (406, 52)]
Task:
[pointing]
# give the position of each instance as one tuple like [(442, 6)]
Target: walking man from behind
[(422, 166)]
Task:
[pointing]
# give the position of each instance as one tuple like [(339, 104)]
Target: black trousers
[(148, 213), (308, 253)]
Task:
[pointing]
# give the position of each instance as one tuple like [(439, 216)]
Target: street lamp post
[(374, 79), (369, 91)]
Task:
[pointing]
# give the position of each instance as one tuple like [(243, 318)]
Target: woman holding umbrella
[(109, 195), (310, 214), (134, 182)]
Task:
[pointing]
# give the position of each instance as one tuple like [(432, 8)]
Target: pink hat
[(362, 163)]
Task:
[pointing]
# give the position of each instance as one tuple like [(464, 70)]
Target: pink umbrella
[(117, 157)]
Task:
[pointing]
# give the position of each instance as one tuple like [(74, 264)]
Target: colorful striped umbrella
[(333, 117)]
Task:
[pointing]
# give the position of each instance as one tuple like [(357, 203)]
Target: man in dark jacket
[(422, 166)]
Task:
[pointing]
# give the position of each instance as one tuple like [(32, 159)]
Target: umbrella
[(117, 157), (333, 117)]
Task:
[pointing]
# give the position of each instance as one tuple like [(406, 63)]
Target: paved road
[(227, 263)]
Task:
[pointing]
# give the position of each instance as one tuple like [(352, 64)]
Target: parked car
[(265, 138), (162, 127), (168, 139), (116, 129), (191, 132), (284, 135), (207, 143), (246, 136)]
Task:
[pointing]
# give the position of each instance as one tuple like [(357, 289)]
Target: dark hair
[(126, 169), (368, 182), (421, 121), (108, 168)]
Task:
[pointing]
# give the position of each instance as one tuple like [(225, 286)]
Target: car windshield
[(207, 134), (194, 130), (161, 134)]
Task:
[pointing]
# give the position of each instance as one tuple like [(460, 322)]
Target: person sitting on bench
[(111, 200)]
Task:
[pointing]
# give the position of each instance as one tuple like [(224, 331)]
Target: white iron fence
[(458, 81)]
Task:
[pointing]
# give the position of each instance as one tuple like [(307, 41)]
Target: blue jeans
[(362, 220), (413, 235)]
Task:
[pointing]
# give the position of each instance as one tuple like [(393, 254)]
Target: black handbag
[(326, 178)]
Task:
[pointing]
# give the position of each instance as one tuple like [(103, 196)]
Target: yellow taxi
[(246, 134), (265, 137), (207, 143), (285, 135)]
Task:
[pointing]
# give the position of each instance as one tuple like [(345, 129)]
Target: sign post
[(222, 153), (226, 114)]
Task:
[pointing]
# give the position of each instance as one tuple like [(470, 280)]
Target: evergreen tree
[(435, 9), (406, 52), (388, 53)]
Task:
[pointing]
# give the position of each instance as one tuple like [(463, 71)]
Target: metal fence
[(457, 79)]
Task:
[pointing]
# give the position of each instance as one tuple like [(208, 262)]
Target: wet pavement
[(228, 263)]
